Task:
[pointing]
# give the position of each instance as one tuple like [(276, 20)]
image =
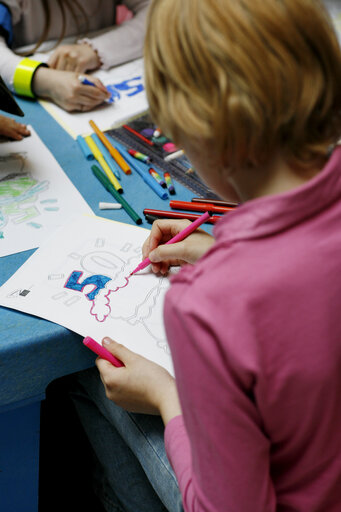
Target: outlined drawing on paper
[(83, 285), (101, 279)]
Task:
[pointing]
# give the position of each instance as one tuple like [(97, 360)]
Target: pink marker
[(177, 238), (102, 352)]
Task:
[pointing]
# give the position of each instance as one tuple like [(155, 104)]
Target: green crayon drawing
[(19, 191)]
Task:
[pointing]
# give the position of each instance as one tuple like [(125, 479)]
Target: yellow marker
[(101, 160)]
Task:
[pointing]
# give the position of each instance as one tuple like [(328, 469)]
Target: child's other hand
[(12, 129), (74, 57), (65, 89), (188, 250), (140, 386)]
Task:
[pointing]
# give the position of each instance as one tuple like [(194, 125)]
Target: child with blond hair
[(251, 90)]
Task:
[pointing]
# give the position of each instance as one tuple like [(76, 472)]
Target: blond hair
[(252, 76)]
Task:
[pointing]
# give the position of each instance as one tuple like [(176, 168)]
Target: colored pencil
[(169, 183), (157, 177), (139, 156)]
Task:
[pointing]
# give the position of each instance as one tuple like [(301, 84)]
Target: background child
[(252, 91), (34, 22)]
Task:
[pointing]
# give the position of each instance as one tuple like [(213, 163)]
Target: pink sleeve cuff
[(179, 454)]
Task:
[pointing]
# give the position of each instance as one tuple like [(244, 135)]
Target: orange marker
[(113, 151)]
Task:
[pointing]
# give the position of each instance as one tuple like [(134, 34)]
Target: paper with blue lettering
[(80, 279), (126, 84)]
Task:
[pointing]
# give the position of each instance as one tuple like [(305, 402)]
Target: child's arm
[(187, 251), (121, 44), (75, 57), (12, 129), (140, 385), (65, 89), (219, 449)]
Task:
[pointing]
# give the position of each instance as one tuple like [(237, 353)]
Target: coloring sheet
[(36, 196), (127, 88), (79, 279)]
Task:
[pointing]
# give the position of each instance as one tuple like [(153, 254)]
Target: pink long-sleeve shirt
[(255, 334)]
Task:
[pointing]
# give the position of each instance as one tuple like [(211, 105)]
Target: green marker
[(106, 183)]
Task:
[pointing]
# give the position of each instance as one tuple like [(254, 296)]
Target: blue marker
[(107, 156), (85, 81), (85, 148), (141, 168)]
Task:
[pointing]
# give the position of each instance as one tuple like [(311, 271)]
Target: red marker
[(199, 207), (102, 352), (178, 215), (216, 202), (137, 134)]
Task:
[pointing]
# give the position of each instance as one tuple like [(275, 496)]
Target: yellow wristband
[(23, 76)]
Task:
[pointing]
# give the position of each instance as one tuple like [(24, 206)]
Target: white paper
[(74, 280), (127, 82), (36, 196)]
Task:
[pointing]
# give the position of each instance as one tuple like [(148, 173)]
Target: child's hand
[(140, 386), (12, 129), (65, 89), (188, 250), (75, 57)]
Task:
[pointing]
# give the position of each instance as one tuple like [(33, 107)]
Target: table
[(33, 351)]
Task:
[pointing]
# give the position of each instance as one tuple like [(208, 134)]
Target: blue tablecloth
[(33, 352)]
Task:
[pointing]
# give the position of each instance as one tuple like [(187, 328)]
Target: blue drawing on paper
[(129, 88), (98, 281)]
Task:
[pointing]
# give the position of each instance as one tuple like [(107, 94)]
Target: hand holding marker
[(84, 81), (102, 352), (177, 238)]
